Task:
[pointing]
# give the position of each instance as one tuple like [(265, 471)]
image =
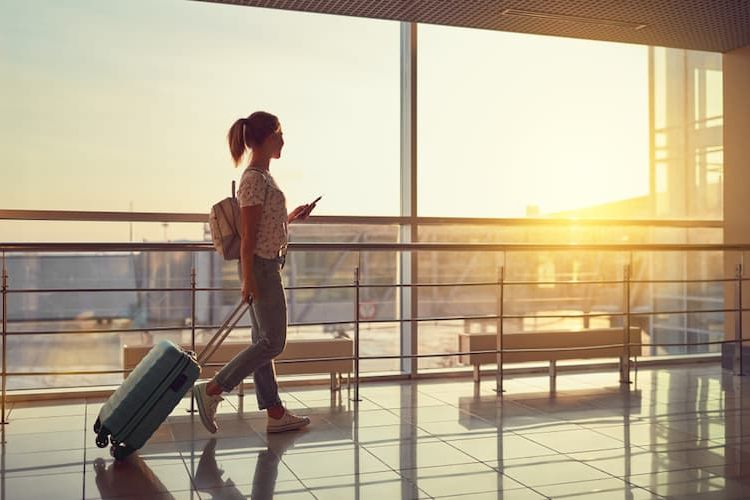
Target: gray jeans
[(268, 321)]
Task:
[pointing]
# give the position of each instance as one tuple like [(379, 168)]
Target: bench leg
[(476, 373), (333, 382), (241, 391), (553, 375)]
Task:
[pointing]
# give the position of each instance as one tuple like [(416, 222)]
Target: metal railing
[(110, 216), (501, 284)]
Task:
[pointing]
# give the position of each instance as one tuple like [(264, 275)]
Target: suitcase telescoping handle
[(223, 331)]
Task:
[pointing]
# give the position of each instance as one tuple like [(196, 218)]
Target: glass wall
[(126, 105), (67, 330), (687, 124), (574, 299), (509, 126), (514, 125)]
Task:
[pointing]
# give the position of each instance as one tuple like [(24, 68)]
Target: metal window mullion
[(408, 192), (410, 231)]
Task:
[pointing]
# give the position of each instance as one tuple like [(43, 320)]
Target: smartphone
[(312, 205)]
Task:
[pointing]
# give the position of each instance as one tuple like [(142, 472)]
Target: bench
[(560, 339), (295, 349)]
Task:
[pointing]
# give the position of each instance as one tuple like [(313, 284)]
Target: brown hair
[(250, 132)]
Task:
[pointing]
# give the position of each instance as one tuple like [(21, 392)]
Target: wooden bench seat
[(295, 349), (560, 339)]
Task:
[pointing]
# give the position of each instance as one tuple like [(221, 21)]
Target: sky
[(125, 105)]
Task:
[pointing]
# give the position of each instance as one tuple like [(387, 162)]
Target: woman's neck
[(260, 163)]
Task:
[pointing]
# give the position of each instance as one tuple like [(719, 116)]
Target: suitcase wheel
[(120, 453), (97, 425), (102, 439)]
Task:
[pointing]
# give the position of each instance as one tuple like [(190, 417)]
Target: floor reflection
[(132, 477), (678, 432), (208, 477)]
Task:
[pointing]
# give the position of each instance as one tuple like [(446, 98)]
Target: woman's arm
[(249, 224), (302, 212)]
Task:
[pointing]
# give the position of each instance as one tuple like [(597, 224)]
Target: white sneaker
[(207, 406), (288, 422)]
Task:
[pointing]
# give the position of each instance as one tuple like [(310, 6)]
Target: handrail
[(115, 216), (381, 247), (429, 319), (378, 285)]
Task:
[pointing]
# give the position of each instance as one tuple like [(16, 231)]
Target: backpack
[(224, 222)]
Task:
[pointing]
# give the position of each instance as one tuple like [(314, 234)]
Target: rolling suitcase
[(152, 390)]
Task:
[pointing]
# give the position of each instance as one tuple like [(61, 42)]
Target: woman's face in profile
[(275, 143)]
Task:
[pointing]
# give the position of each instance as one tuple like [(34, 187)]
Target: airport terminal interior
[(523, 276)]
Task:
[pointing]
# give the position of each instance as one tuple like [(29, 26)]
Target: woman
[(264, 223)]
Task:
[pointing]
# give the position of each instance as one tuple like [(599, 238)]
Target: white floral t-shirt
[(259, 188)]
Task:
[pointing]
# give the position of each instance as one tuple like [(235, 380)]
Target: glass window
[(687, 123), (714, 95), (126, 105), (511, 123)]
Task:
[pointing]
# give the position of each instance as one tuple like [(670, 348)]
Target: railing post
[(193, 284), (499, 342), (625, 357), (356, 334), (5, 339), (738, 365)]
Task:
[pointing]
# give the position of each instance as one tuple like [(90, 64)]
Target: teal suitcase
[(152, 390)]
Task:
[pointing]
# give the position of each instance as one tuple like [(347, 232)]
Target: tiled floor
[(675, 433)]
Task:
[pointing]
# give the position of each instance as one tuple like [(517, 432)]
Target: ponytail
[(236, 138)]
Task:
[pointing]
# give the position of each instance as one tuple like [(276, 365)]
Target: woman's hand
[(302, 212), (250, 292)]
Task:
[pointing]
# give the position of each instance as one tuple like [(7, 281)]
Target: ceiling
[(712, 25)]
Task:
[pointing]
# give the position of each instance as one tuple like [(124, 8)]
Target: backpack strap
[(235, 222), (268, 185)]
